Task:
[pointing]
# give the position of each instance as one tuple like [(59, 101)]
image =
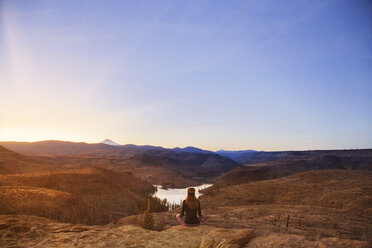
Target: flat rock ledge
[(28, 231), (31, 231)]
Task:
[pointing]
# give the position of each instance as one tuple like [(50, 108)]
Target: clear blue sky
[(251, 74)]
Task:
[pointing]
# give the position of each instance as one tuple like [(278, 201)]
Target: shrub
[(157, 205), (148, 221)]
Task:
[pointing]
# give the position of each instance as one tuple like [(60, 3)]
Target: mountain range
[(157, 165), (109, 147)]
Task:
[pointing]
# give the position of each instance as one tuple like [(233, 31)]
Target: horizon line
[(210, 150)]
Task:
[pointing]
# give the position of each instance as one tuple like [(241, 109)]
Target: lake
[(177, 195)]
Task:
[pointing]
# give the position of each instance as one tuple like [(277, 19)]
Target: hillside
[(13, 163), (165, 168), (337, 189), (259, 157), (170, 168), (302, 210), (53, 204), (298, 162), (97, 191), (233, 154), (198, 165), (57, 147)]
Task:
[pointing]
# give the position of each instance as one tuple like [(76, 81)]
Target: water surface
[(177, 195)]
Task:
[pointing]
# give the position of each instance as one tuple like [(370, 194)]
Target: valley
[(96, 197)]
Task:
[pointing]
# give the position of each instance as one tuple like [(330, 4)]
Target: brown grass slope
[(338, 189), (115, 193), (298, 162), (53, 204), (155, 169), (13, 163)]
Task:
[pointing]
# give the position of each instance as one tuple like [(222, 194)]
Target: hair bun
[(191, 190)]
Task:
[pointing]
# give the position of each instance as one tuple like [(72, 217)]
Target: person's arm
[(199, 209), (183, 209)]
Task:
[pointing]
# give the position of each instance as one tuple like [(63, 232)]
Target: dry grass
[(297, 162), (90, 196), (13, 162), (44, 187), (30, 231), (337, 189), (53, 204), (207, 242)]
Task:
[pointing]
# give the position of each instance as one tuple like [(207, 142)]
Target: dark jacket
[(191, 214)]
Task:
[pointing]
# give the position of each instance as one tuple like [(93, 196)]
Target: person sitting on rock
[(191, 212)]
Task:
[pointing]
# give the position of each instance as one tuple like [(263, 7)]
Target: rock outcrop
[(30, 231)]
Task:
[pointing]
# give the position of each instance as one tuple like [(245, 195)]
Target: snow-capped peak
[(110, 142)]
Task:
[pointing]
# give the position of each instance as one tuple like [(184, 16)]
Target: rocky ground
[(250, 226), (313, 223), (30, 231)]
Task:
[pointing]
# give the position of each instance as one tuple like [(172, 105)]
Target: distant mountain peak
[(110, 142), (190, 149)]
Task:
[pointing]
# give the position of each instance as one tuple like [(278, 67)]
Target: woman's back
[(191, 214), (191, 210)]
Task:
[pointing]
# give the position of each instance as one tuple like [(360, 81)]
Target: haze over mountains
[(156, 164), (109, 147), (182, 166)]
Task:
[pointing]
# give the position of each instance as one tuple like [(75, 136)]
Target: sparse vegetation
[(157, 205), (207, 242), (347, 190), (297, 162), (52, 204), (147, 221), (89, 196)]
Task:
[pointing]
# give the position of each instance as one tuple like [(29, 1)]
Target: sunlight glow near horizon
[(242, 75)]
